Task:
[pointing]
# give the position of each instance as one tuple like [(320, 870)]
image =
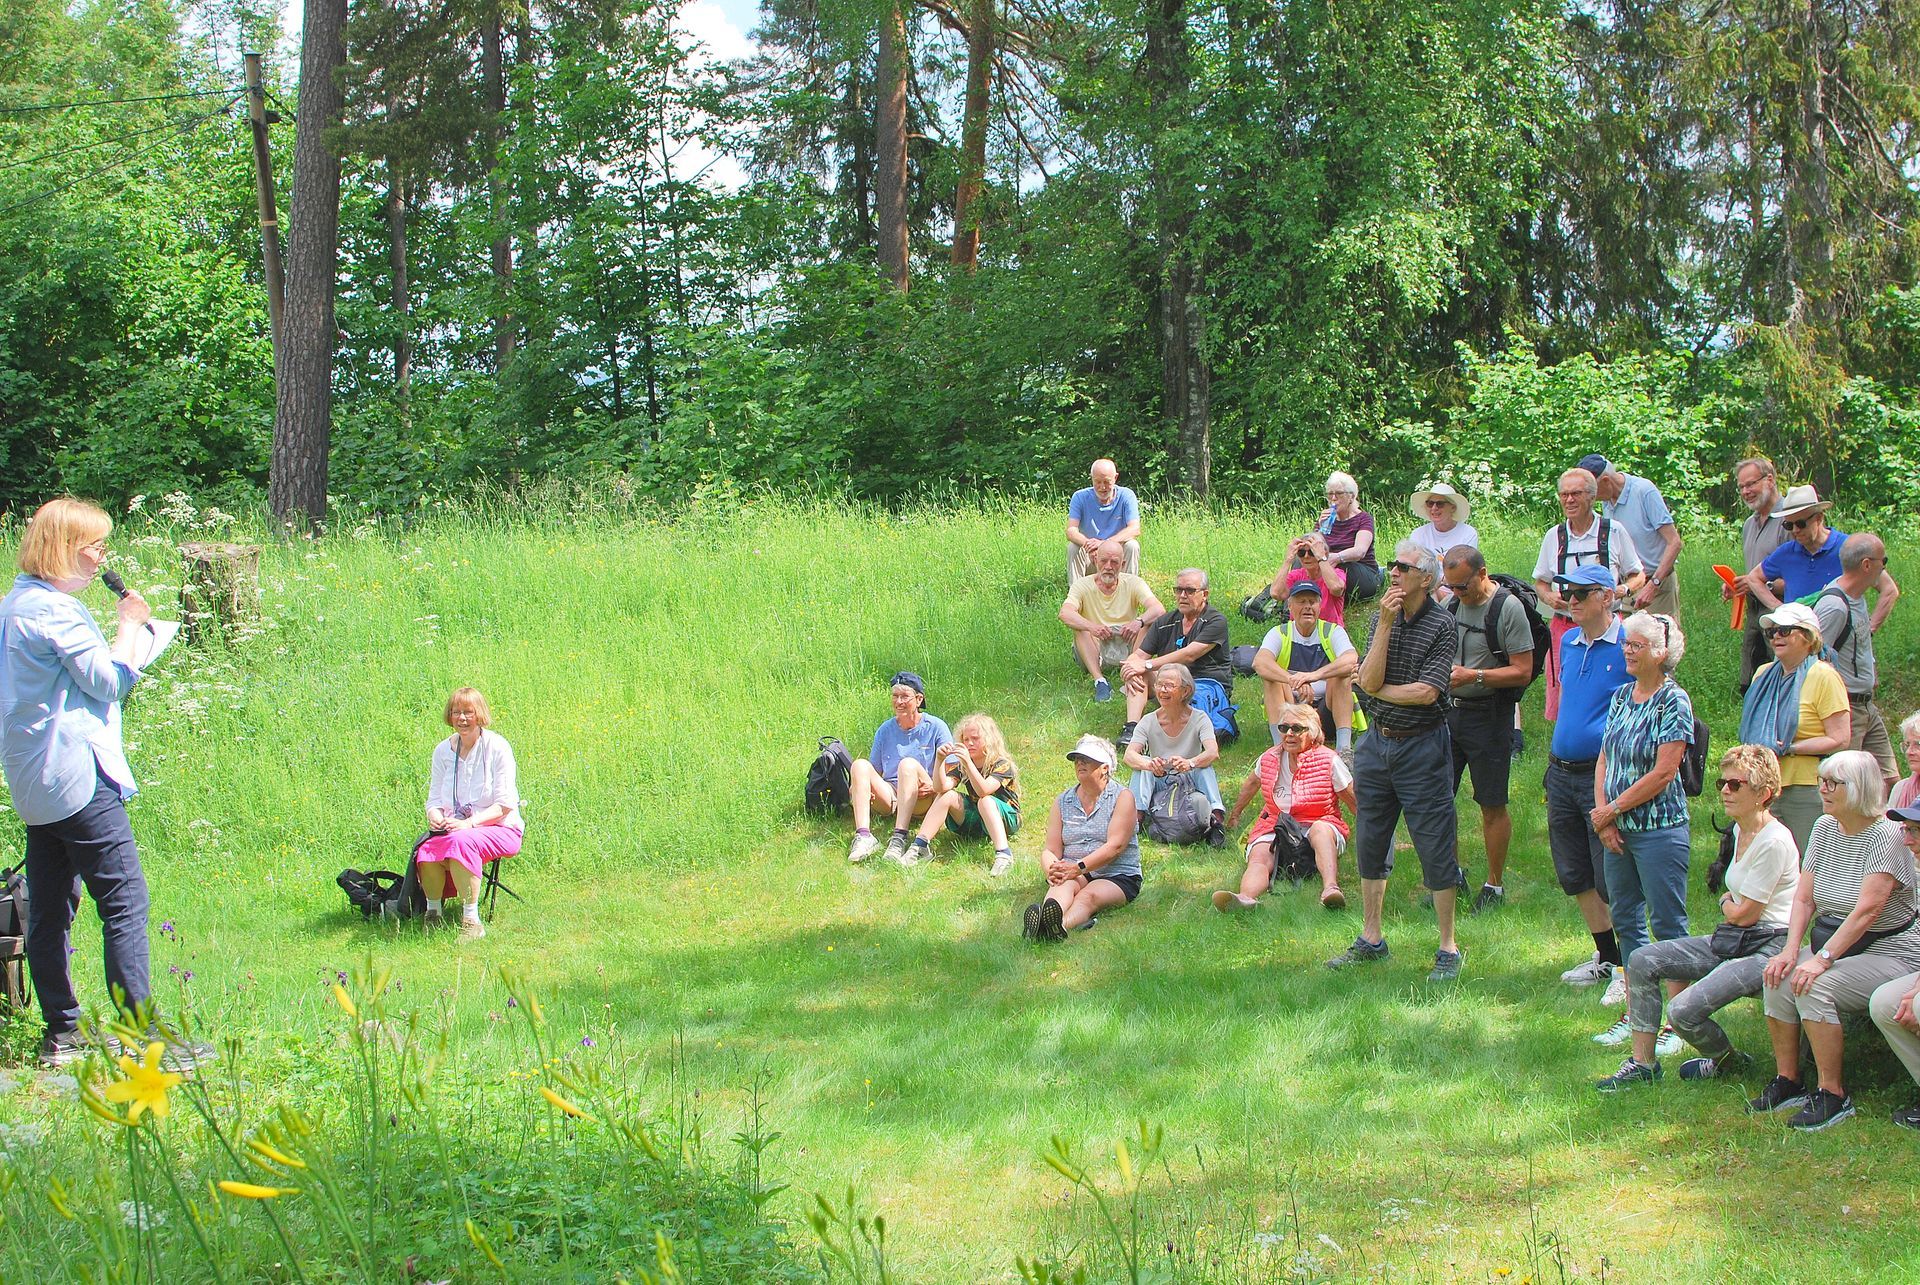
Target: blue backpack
[(1210, 696)]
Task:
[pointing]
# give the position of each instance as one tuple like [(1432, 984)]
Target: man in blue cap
[(899, 772), (1592, 667), (1637, 505), (1310, 661)]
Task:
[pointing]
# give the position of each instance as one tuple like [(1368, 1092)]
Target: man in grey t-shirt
[(1493, 663), (1846, 626), (1761, 534)]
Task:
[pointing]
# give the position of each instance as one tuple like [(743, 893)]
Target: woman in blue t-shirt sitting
[(898, 772)]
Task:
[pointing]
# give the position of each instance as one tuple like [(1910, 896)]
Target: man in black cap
[(1637, 505)]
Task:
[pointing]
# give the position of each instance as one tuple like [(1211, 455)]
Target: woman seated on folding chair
[(473, 811)]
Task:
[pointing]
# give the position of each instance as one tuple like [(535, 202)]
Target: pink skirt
[(472, 848)]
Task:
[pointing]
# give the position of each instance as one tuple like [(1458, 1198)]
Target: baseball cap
[(907, 678), (1595, 575), (1309, 585), (1595, 463), (1792, 615)]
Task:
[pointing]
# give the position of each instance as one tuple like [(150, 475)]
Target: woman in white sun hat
[(1444, 511)]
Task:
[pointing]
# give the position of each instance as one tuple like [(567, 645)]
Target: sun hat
[(1095, 749), (1798, 500), (1595, 575), (1792, 615), (1440, 490)]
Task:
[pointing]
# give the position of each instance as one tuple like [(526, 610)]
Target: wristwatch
[(1825, 954), (1654, 581), (1083, 869)]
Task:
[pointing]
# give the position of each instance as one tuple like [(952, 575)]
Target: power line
[(104, 142), (108, 168), (121, 102)]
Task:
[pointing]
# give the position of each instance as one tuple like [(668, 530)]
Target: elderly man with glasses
[(1404, 765), (1585, 539), (1193, 634), (1848, 627), (1760, 535)]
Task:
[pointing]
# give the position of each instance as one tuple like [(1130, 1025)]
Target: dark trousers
[(94, 847), (1411, 777), (1363, 581)]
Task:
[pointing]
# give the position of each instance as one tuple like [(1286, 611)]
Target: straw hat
[(1801, 499), (1439, 490)]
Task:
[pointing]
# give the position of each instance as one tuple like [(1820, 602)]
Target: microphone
[(111, 579)]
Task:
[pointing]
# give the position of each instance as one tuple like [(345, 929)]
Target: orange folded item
[(1729, 577)]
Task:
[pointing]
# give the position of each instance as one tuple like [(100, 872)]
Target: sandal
[(1333, 899)]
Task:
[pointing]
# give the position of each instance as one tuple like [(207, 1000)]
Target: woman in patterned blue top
[(1640, 811)]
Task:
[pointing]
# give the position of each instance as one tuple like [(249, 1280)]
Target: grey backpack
[(1178, 813)]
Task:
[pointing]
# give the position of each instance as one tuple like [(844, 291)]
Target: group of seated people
[(1819, 908)]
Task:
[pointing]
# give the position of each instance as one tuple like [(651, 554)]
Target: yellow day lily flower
[(562, 1105), (251, 1191), (146, 1086), (344, 1000)]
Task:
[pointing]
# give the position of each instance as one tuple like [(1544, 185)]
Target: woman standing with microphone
[(61, 684)]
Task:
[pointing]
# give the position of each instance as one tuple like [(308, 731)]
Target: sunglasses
[(1438, 502), (1180, 588), (1579, 593), (1401, 567), (1780, 631), (1732, 783), (1798, 524), (1294, 729), (1457, 588)]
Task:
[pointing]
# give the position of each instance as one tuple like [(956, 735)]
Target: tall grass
[(663, 681)]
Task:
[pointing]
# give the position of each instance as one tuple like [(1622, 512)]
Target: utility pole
[(259, 118)]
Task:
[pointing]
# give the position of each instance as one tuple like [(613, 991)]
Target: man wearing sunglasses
[(1848, 627), (1807, 560), (1404, 765)]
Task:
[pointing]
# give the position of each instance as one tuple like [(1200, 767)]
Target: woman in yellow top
[(1797, 707)]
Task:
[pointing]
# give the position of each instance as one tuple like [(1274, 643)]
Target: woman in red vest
[(1301, 784)]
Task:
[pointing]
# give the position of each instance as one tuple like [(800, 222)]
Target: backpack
[(383, 893), (1263, 607), (1693, 763), (1506, 586), (830, 779), (1178, 813), (1565, 535), (1242, 659), (1211, 698), (14, 994), (1830, 651)]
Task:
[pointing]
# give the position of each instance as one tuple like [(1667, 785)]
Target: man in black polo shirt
[(1404, 764), (1193, 634)]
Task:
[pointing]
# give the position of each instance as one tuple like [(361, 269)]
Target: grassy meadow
[(697, 943)]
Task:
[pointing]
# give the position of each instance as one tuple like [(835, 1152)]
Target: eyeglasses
[(1828, 783), (1294, 729), (1797, 524), (1726, 783), (97, 546), (1401, 567), (1181, 588)]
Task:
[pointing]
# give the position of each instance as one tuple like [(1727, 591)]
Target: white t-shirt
[(1342, 778), (1769, 871), (1439, 542), (1584, 551), (481, 779)]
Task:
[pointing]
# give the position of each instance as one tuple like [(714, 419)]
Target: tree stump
[(221, 589)]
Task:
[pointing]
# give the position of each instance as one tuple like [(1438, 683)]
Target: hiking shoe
[(1630, 1074), (1618, 1033), (897, 849), (1051, 928), (1615, 995), (471, 929), (1333, 899), (1715, 1068), (432, 917), (1590, 973), (1823, 1111), (1226, 902), (1030, 923), (1907, 1117), (1002, 862), (1361, 952), (1669, 1044), (1102, 691), (864, 846), (1216, 833), (1780, 1094), (177, 1053), (1489, 899), (63, 1049), (1446, 966), (1125, 738)]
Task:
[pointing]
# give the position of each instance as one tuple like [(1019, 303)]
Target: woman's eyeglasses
[(1828, 783), (98, 547), (1727, 783)]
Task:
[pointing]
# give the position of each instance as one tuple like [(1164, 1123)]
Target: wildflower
[(146, 1086), (562, 1105), (345, 1000), (586, 1041), (253, 1191), (276, 1155)]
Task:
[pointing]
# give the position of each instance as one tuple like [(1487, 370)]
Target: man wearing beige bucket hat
[(1808, 560)]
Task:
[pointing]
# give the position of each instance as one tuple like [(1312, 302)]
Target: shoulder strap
[(1565, 537), (1846, 630)]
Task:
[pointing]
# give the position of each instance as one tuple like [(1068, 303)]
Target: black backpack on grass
[(830, 779), (383, 893), (14, 993)]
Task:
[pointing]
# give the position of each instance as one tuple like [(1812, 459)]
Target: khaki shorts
[(1870, 734)]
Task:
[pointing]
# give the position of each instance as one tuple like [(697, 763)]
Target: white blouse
[(480, 780)]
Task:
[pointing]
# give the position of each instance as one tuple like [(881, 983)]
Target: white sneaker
[(1590, 973), (1669, 1044), (1618, 1033), (1616, 993), (1001, 865), (864, 846)]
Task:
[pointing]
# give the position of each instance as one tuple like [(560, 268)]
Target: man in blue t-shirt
[(1808, 561), (1592, 668), (1101, 514), (1637, 505), (900, 772)]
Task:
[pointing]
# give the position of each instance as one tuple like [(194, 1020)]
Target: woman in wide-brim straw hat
[(1444, 511)]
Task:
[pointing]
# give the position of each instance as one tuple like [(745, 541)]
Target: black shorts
[(1129, 884), (1483, 741)]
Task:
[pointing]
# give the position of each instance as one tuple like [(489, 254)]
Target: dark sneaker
[(1051, 929), (1030, 923), (1216, 833), (1102, 691), (1908, 1117), (1780, 1094), (63, 1049), (1630, 1075), (1716, 1068), (1823, 1112), (1446, 966), (1489, 898), (1125, 738), (1361, 952)]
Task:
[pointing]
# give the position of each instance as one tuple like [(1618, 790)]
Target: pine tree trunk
[(973, 135), (890, 145), (397, 266), (494, 84), (303, 413), (1185, 381)]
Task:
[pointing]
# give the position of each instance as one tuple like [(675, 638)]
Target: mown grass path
[(662, 686)]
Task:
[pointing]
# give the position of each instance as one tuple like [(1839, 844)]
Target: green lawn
[(662, 685)]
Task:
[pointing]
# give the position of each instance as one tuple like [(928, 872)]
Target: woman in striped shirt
[(1857, 895)]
